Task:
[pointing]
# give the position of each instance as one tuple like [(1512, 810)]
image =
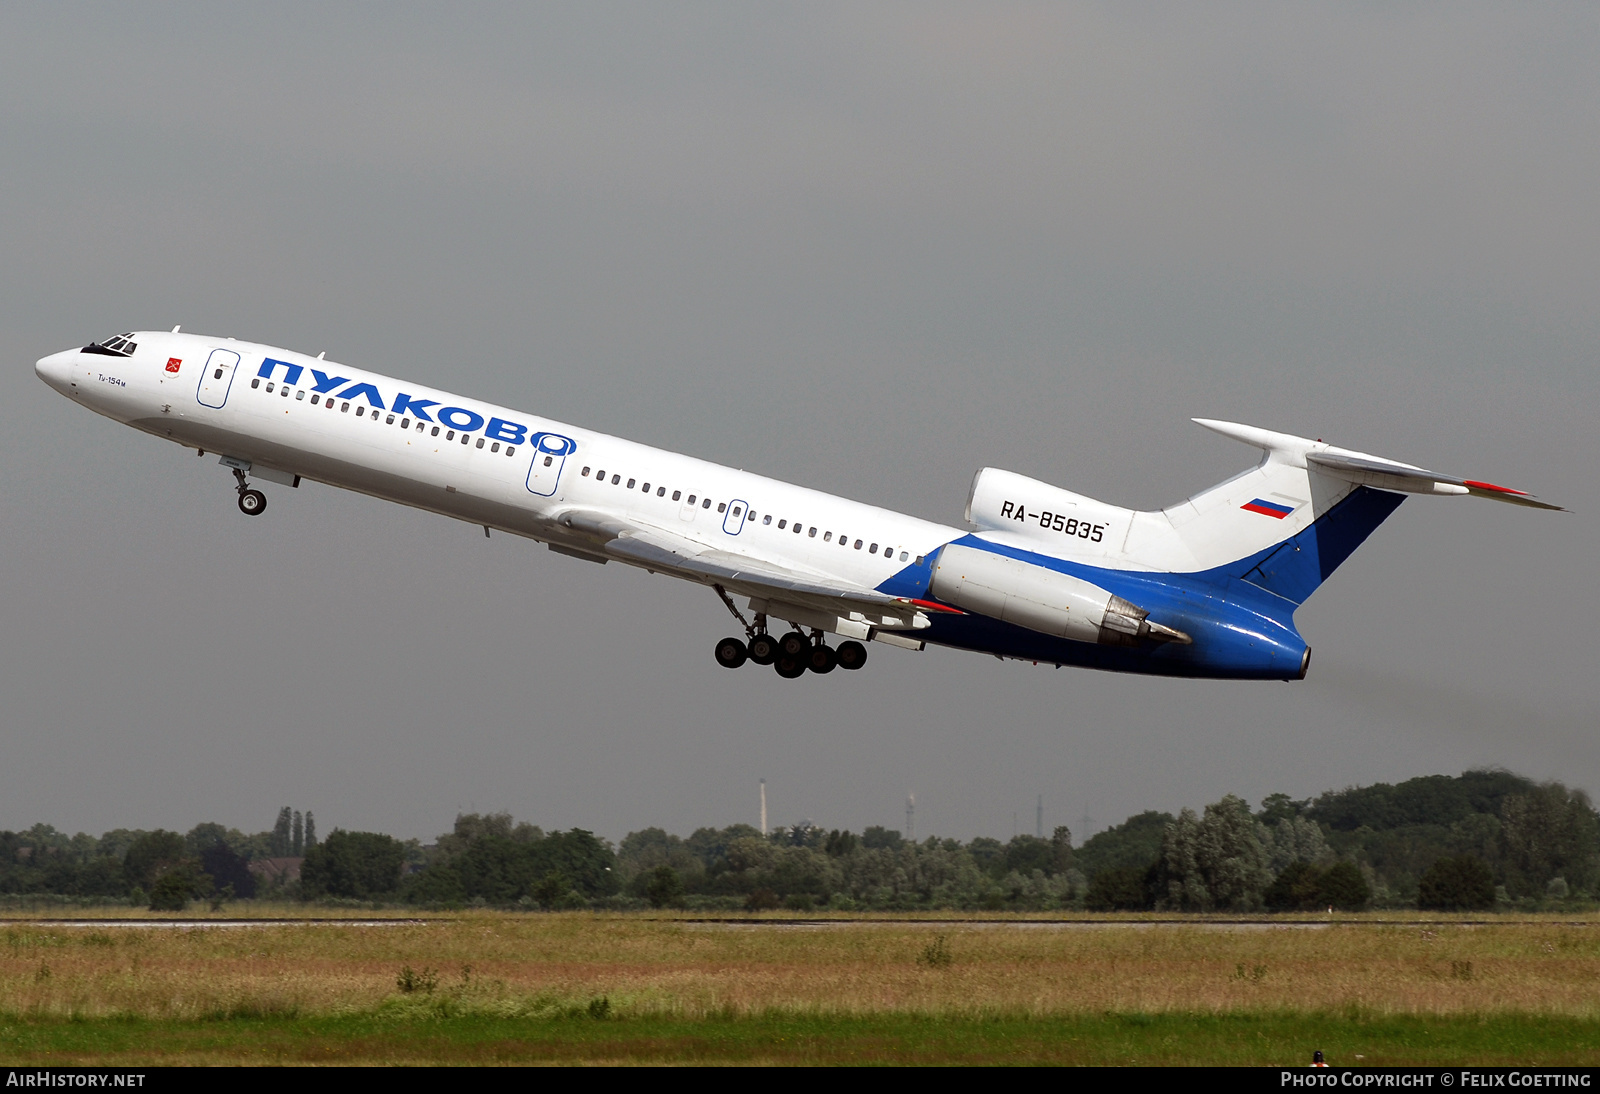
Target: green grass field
[(486, 988)]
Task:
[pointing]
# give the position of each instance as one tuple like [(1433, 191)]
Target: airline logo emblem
[(1267, 508), (424, 410), (174, 363)]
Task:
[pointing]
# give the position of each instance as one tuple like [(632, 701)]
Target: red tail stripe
[(1492, 486)]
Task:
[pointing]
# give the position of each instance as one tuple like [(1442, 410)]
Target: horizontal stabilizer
[(1364, 469), (1386, 475)]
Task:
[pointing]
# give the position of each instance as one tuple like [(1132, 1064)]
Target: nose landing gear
[(252, 502)]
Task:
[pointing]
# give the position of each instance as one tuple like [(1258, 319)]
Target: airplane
[(1207, 587)]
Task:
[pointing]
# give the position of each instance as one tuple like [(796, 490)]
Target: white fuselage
[(291, 414)]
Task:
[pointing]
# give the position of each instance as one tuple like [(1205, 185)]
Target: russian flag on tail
[(1268, 508)]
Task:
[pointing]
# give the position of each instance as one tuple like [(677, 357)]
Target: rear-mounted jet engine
[(1042, 600)]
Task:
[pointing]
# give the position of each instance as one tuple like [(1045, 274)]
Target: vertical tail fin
[(1286, 524)]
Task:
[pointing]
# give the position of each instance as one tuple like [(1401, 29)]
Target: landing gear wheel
[(252, 502), (821, 659), (852, 655), (790, 668), (793, 644), (731, 653), (763, 649)]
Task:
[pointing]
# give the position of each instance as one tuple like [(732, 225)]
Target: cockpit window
[(122, 345)]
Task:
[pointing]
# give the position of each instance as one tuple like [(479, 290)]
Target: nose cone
[(56, 369)]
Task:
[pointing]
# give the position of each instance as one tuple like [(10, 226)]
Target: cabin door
[(550, 452), (217, 377)]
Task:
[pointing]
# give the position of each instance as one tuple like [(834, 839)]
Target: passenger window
[(661, 491), (511, 450), (495, 447), (315, 399), (735, 510), (256, 382), (219, 376), (874, 550), (902, 556), (405, 423), (389, 420), (691, 499), (480, 442), (360, 410), (782, 524), (284, 391), (797, 529), (450, 435), (631, 483), (344, 408), (827, 537), (676, 494), (615, 479), (645, 488), (585, 472), (858, 545), (919, 560), (435, 431), (812, 534), (722, 507), (299, 396), (269, 382), (465, 438), (706, 504), (548, 460), (768, 520), (599, 476)]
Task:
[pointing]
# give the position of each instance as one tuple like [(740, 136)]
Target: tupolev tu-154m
[(1207, 587)]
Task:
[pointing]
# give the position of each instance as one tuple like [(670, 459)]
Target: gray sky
[(863, 248)]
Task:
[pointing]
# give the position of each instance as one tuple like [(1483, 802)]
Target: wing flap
[(668, 552)]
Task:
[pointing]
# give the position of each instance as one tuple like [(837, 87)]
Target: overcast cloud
[(863, 248)]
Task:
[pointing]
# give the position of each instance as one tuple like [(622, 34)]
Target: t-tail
[(1287, 524), (1284, 525), (1217, 577)]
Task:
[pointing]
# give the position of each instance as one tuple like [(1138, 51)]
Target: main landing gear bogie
[(793, 655)]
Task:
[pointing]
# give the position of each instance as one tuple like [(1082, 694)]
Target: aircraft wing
[(665, 551)]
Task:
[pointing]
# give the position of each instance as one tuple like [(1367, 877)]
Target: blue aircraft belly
[(1240, 616)]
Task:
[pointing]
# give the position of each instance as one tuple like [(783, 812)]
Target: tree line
[(1480, 840)]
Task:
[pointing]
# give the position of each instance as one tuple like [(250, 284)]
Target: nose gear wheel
[(252, 503)]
